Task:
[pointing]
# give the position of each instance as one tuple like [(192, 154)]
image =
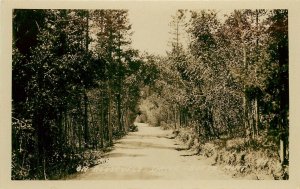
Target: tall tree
[(279, 86), (113, 40)]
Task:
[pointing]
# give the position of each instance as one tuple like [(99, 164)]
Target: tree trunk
[(211, 125), (67, 134), (256, 106), (93, 127), (37, 122), (118, 103), (245, 101), (175, 118), (79, 124), (102, 120), (284, 98), (86, 126), (179, 112), (257, 121), (167, 121), (109, 118)]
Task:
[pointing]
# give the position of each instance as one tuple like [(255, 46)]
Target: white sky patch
[(151, 29)]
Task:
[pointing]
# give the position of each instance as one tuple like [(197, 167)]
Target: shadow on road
[(112, 155), (138, 144)]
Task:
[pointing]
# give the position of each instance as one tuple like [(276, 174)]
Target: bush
[(133, 128), (166, 126)]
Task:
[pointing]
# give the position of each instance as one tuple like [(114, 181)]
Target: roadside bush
[(240, 157), (166, 126), (133, 128)]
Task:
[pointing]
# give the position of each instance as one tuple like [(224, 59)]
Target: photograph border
[(5, 92)]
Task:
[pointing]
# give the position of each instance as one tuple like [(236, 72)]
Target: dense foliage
[(72, 91), (230, 81)]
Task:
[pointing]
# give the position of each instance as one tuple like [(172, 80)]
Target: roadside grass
[(255, 159)]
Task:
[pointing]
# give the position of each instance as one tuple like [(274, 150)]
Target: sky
[(151, 28)]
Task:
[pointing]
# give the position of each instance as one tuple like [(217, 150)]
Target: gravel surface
[(150, 153)]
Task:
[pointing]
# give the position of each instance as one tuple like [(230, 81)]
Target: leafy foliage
[(231, 80), (72, 92)]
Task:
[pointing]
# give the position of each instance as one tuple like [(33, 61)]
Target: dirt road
[(150, 154)]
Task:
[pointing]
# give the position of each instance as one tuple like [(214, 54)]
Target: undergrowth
[(71, 163), (243, 158)]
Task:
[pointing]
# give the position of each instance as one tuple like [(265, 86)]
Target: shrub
[(133, 128)]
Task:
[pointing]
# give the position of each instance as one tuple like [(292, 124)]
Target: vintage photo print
[(149, 94)]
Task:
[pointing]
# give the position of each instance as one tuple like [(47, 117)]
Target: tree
[(60, 70), (278, 87), (114, 30)]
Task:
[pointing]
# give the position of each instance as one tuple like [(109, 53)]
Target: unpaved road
[(150, 154)]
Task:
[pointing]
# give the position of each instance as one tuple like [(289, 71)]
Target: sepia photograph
[(150, 94)]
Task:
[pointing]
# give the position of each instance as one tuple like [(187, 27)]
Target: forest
[(78, 85)]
